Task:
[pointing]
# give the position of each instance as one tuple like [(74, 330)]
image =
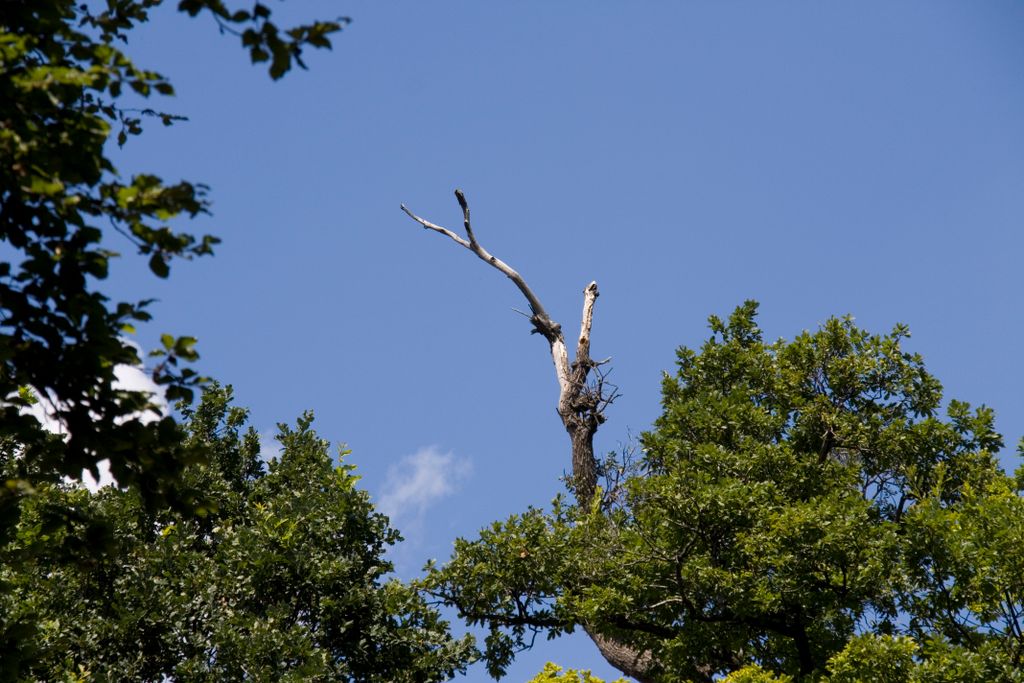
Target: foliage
[(755, 674), (68, 92), (553, 673), (798, 505), (66, 87), (283, 579)]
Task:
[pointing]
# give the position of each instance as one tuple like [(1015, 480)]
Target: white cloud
[(106, 478), (128, 377), (134, 378), (420, 480)]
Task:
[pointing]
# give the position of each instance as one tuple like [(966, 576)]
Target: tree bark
[(580, 407), (626, 659)]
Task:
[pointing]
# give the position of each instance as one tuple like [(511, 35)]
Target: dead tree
[(583, 396)]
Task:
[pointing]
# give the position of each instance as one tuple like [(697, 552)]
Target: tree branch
[(590, 295), (465, 216), (543, 322)]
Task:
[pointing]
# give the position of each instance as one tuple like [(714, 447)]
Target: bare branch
[(437, 228), (541, 320), (590, 295), (465, 215)]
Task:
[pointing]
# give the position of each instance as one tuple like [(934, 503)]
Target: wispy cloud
[(418, 481)]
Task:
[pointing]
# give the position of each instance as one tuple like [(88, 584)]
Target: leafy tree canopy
[(284, 579), (68, 92), (801, 511)]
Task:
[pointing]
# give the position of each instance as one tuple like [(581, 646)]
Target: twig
[(465, 216)]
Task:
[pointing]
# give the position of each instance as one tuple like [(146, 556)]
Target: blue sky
[(823, 158)]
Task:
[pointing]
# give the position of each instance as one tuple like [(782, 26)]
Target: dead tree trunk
[(581, 404)]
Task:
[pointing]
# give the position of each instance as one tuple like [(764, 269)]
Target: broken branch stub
[(580, 406)]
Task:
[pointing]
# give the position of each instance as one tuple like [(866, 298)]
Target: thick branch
[(626, 659)]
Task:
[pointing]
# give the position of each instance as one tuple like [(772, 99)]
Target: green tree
[(68, 92), (800, 511), (64, 83), (283, 579)]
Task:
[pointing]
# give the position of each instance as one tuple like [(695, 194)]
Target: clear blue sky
[(823, 158)]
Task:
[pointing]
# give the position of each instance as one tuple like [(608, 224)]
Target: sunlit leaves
[(802, 511), (553, 673)]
